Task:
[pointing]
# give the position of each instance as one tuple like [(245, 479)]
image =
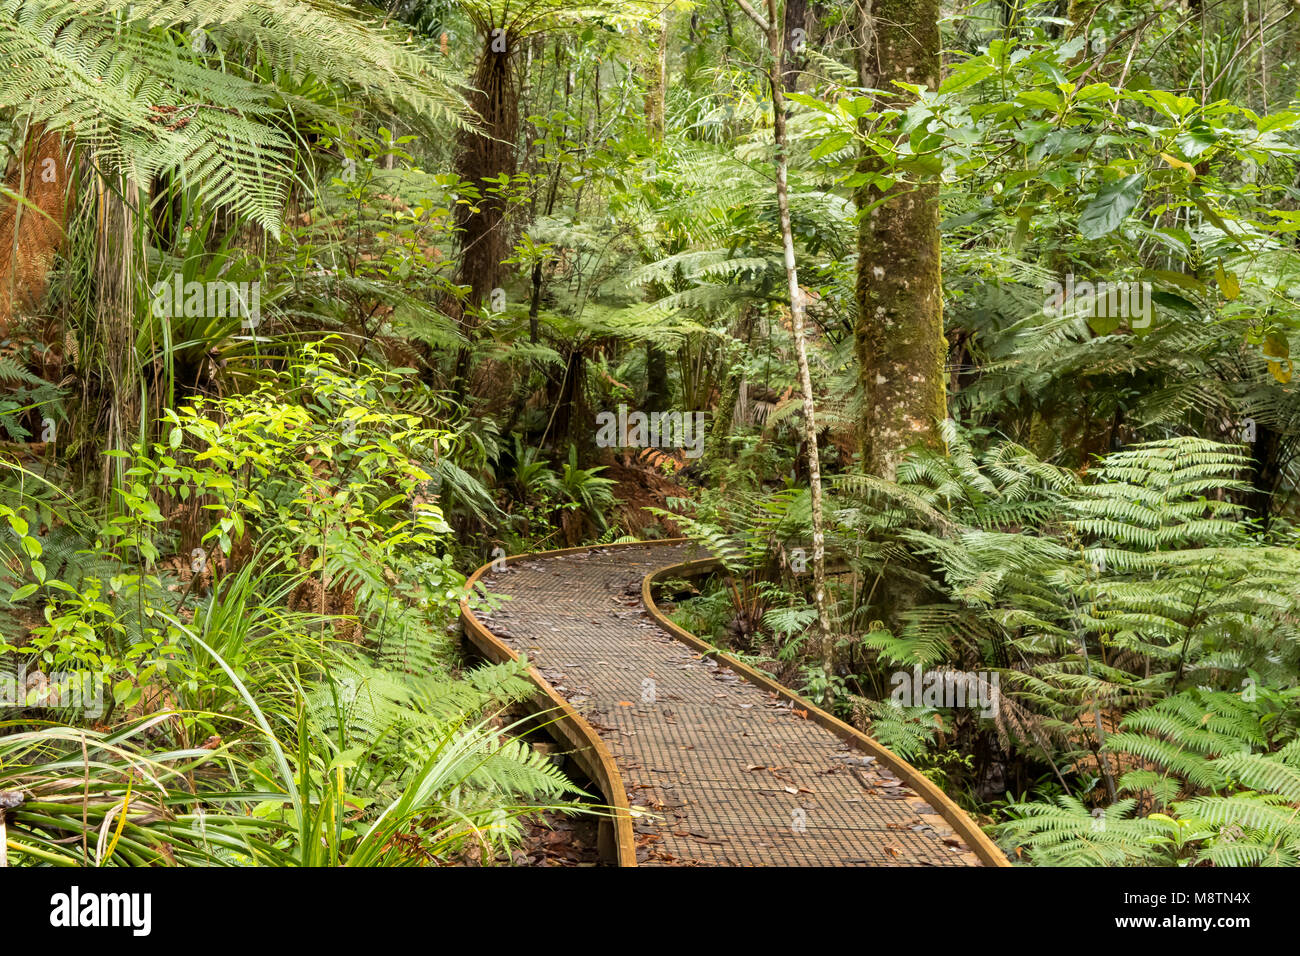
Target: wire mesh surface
[(718, 771)]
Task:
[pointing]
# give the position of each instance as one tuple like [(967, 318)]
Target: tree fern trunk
[(483, 155), (32, 230)]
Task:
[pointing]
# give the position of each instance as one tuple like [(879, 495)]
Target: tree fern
[(150, 85)]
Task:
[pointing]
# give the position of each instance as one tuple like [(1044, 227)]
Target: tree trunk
[(1266, 453), (656, 379), (166, 206), (656, 81), (656, 84), (32, 232), (772, 26), (483, 155), (796, 18), (569, 418), (717, 446), (899, 334)]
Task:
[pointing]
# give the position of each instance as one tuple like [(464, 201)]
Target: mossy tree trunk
[(717, 448), (656, 79), (899, 334)]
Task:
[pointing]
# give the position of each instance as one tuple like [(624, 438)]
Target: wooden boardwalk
[(717, 770)]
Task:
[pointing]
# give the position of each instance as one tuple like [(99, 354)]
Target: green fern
[(152, 85)]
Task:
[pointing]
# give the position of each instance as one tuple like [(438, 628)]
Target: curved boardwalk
[(717, 770)]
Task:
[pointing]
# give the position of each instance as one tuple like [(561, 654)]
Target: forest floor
[(558, 840)]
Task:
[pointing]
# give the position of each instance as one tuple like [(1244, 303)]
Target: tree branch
[(758, 17)]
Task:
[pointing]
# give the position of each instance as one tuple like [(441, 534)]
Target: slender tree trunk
[(772, 27), (656, 84), (656, 81), (899, 334)]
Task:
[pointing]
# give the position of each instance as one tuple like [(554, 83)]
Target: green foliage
[(264, 570), (80, 67), (320, 751)]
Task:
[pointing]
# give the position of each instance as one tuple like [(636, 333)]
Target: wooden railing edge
[(588, 748), (975, 838)]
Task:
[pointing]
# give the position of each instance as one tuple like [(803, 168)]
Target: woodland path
[(717, 765)]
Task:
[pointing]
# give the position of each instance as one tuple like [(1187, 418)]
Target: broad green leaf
[(966, 74), (1196, 141), (1111, 206)]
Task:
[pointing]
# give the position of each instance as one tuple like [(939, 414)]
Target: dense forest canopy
[(958, 332)]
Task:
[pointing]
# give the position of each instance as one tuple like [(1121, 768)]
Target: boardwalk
[(717, 771)]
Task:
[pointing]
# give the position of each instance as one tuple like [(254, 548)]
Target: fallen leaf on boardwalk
[(791, 790), (625, 703), (754, 766)]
